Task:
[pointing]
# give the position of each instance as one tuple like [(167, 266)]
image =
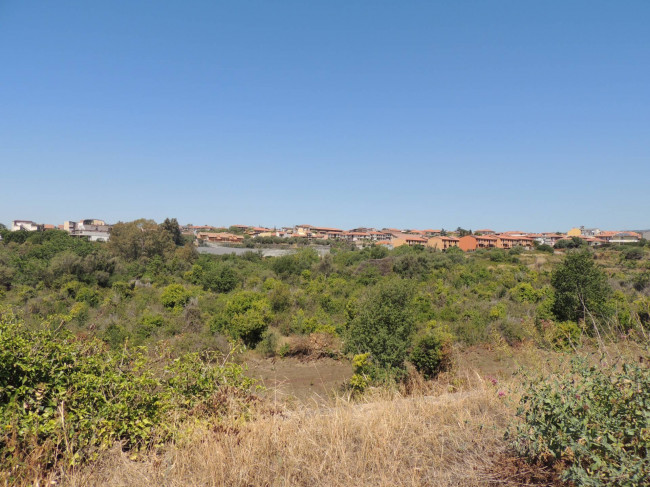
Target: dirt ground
[(303, 380)]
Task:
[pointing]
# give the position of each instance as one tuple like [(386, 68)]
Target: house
[(547, 238), (27, 225), (442, 243), (220, 237), (469, 243), (91, 229), (574, 232), (589, 232), (355, 236), (512, 241), (625, 237), (410, 240), (485, 231)]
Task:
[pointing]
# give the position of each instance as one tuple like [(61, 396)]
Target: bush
[(545, 248), (246, 316), (175, 297), (63, 399), (431, 352), (382, 324), (592, 422), (581, 288), (268, 344)]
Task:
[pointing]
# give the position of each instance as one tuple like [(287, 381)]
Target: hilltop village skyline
[(442, 239)]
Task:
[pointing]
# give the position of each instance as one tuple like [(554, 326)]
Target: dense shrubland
[(389, 312)]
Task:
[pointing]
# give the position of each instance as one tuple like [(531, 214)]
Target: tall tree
[(581, 287), (174, 229)]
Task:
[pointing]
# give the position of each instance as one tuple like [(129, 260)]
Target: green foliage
[(431, 352), (641, 281), (565, 335), (545, 248), (581, 288), (172, 228), (525, 293), (149, 324), (280, 297), (572, 243), (268, 345), (64, 399), (246, 316), (295, 264), (213, 276), (381, 324), (140, 238), (175, 297), (412, 266), (593, 421), (632, 253)]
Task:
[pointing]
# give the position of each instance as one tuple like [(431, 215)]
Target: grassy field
[(449, 432)]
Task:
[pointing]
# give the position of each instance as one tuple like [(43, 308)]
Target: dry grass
[(443, 440)]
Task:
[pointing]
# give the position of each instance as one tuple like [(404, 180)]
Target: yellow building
[(574, 232)]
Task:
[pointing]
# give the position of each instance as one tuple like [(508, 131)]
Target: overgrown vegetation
[(594, 420), (64, 399), (100, 312)]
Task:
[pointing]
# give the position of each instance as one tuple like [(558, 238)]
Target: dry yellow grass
[(445, 440)]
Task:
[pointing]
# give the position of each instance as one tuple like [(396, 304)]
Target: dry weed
[(444, 440)]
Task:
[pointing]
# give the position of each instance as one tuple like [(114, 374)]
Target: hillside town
[(466, 240)]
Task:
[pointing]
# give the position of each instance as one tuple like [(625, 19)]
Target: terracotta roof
[(324, 229)]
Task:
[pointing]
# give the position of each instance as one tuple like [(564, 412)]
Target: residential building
[(589, 232), (511, 241), (484, 231), (469, 243), (410, 240), (443, 243), (220, 237), (28, 225)]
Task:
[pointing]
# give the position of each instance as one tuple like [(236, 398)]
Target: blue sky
[(513, 114)]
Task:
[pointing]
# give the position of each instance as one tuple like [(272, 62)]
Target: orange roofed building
[(469, 243), (511, 241), (220, 237), (443, 243), (410, 240)]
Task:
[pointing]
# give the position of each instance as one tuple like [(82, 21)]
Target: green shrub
[(246, 316), (565, 335), (149, 324), (592, 421), (268, 344), (175, 297), (381, 324), (87, 295), (581, 288), (525, 293), (431, 352), (64, 399)]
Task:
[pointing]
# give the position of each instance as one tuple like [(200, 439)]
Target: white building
[(28, 225)]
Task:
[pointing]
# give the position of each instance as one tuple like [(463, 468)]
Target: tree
[(171, 226), (382, 323), (140, 238), (581, 287), (573, 243)]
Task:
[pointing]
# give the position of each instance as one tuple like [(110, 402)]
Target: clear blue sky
[(531, 115)]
